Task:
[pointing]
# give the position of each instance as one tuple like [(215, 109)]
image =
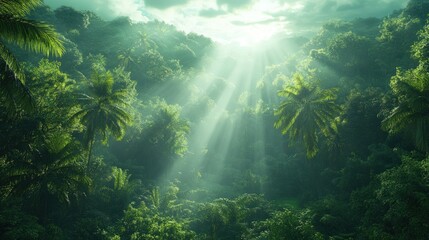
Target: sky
[(238, 21)]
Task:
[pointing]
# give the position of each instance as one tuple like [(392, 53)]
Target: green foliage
[(90, 227), (417, 8), (410, 116), (51, 171), (358, 190), (358, 172), (286, 224), (28, 34), (166, 201), (394, 29), (346, 47), (363, 27), (111, 195), (404, 191), (220, 219), (22, 132), (105, 109), (15, 224), (20, 7), (49, 81), (120, 178), (332, 217), (165, 126), (53, 232), (306, 111), (230, 218), (71, 18), (328, 31), (354, 54), (14, 96), (155, 68), (72, 57), (397, 34), (393, 206), (361, 111), (52, 90), (420, 49), (141, 223), (411, 88), (163, 133)]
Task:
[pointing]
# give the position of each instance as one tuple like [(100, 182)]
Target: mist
[(214, 120)]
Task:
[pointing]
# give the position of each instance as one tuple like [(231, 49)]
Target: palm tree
[(306, 112), (411, 116), (51, 171), (103, 110), (28, 34)]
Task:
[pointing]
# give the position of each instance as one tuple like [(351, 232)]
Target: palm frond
[(411, 116), (30, 35), (287, 121), (12, 63), (18, 7), (310, 141), (12, 88), (306, 112), (121, 113), (397, 120)]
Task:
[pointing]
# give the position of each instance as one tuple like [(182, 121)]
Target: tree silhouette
[(306, 112)]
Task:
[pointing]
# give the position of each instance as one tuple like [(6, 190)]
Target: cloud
[(262, 22), (234, 4), (229, 20), (313, 13), (347, 8), (164, 4), (211, 13), (107, 9)]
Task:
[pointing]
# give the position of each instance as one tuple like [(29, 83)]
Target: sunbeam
[(230, 77), (214, 119)]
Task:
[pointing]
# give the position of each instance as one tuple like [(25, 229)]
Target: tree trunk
[(91, 144)]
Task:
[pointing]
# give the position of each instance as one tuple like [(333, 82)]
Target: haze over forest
[(208, 120), (242, 21)]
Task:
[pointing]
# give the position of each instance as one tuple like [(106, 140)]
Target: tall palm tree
[(306, 112), (411, 116), (52, 171), (28, 34), (103, 110)]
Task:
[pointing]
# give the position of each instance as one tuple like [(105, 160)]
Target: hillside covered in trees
[(116, 129)]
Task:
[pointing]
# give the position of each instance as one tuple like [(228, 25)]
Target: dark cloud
[(211, 13), (234, 4), (164, 4)]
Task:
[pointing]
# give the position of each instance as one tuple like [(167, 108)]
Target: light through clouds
[(238, 21)]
